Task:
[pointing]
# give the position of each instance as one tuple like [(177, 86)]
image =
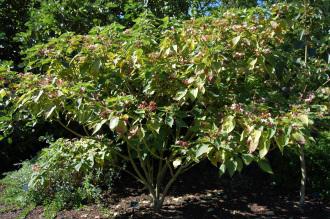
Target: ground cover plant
[(165, 94)]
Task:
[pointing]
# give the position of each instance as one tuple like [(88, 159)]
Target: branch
[(129, 172), (85, 130), (70, 130), (144, 180), (167, 187)]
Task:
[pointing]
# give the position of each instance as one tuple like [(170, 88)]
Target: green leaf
[(244, 134), (253, 139), (177, 162), (247, 158), (193, 92), (264, 144), (154, 125), (228, 124), (96, 66), (114, 121), (204, 149), (38, 97), (235, 40), (231, 166), (222, 169), (181, 94), (272, 132), (299, 138), (264, 148), (10, 140), (264, 165), (99, 126), (175, 48), (304, 119), (239, 164), (2, 93), (283, 139), (169, 121), (253, 63), (78, 166), (50, 112)]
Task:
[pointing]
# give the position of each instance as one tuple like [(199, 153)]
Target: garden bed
[(240, 197)]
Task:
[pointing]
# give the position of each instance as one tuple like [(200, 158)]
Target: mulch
[(199, 195)]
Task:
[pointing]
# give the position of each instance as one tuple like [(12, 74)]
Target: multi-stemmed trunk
[(153, 176)]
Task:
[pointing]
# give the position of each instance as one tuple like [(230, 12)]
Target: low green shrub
[(71, 172), (14, 187), (67, 174)]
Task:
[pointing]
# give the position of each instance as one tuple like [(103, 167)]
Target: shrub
[(164, 96), (71, 172), (15, 186)]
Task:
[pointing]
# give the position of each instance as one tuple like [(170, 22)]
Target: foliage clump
[(14, 186), (72, 168), (67, 174)]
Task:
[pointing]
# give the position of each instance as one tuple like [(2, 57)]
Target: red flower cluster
[(182, 143), (151, 106)]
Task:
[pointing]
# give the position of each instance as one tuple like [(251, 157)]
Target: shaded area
[(199, 194), (25, 143)]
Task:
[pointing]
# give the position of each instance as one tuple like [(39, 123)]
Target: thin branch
[(70, 130), (122, 156), (142, 164), (129, 172), (169, 184), (152, 153), (85, 130), (144, 180), (170, 168)]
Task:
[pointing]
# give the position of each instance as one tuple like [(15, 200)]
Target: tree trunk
[(303, 176), (157, 204)]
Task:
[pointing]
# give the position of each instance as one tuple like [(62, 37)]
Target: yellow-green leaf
[(204, 149), (253, 63), (50, 112), (180, 95), (299, 138), (228, 124), (193, 92), (114, 121), (253, 139), (247, 158), (98, 126), (304, 119), (235, 40), (2, 93), (177, 163)]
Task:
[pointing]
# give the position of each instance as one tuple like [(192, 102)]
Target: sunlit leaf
[(114, 121), (50, 112), (177, 162), (235, 40), (228, 124), (253, 139), (99, 126)]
